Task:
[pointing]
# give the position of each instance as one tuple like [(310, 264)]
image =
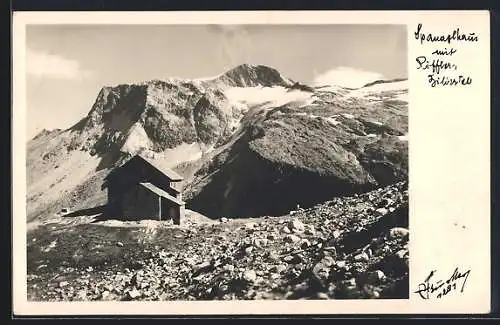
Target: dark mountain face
[(273, 145), (287, 158)]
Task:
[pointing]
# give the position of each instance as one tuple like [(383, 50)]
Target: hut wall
[(140, 203)]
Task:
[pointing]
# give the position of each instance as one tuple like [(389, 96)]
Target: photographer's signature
[(432, 287)]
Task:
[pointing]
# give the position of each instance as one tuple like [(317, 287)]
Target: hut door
[(165, 209)]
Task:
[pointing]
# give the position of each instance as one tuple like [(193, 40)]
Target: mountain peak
[(250, 75)]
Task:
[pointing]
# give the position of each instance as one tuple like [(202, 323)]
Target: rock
[(328, 261), (271, 237), (341, 264), (249, 250), (381, 211), (63, 284), (260, 242), (89, 269), (249, 276), (304, 243), (286, 230), (322, 295), (291, 239), (82, 294), (398, 232), (401, 253), (321, 271), (280, 268), (294, 259), (41, 266), (223, 220), (310, 231), (137, 278), (330, 250), (385, 202), (273, 256), (386, 249), (361, 257), (119, 244), (250, 225), (202, 266), (375, 277), (134, 293), (296, 225), (105, 295), (336, 234)]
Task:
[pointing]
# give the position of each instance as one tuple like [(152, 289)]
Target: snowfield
[(266, 97)]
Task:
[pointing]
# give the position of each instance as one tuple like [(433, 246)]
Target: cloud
[(346, 77), (45, 65)]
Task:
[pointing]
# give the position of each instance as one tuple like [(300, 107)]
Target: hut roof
[(162, 193), (167, 171)]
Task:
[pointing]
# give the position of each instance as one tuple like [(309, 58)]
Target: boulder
[(381, 211), (249, 276), (291, 238), (296, 225), (398, 232)]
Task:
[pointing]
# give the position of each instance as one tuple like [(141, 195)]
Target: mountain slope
[(249, 142)]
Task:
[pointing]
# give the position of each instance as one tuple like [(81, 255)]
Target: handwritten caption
[(433, 287), (439, 65)]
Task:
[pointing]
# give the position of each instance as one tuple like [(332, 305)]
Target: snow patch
[(137, 140), (182, 153), (333, 89), (398, 90), (266, 96)]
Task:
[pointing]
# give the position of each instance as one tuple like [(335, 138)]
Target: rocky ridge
[(235, 138)]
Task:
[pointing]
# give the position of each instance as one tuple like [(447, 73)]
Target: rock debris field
[(347, 248)]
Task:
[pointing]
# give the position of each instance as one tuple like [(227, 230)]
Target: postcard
[(251, 163)]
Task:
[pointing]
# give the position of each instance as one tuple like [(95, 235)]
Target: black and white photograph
[(217, 162)]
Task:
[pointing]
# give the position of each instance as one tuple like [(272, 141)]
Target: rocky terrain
[(249, 143), (293, 191), (345, 248)]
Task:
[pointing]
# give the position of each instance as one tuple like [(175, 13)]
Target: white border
[(434, 116)]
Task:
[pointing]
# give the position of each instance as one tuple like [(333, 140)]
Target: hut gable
[(142, 189)]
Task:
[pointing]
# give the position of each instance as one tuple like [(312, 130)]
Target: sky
[(67, 65)]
